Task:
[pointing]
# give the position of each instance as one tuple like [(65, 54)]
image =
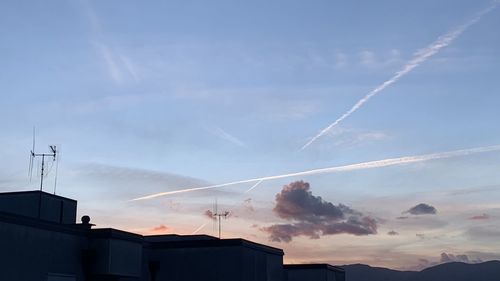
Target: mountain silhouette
[(453, 271)]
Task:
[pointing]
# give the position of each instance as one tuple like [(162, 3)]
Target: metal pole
[(219, 224), (43, 164)]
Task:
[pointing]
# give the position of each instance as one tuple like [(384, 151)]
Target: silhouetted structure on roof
[(40, 240)]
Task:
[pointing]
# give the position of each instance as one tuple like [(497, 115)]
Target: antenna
[(218, 217), (32, 156), (57, 169), (53, 153)]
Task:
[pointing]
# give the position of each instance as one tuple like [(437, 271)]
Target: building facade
[(40, 240)]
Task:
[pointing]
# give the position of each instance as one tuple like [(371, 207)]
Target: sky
[(149, 97)]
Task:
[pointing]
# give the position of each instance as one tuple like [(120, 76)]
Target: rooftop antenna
[(57, 169), (218, 217), (53, 154)]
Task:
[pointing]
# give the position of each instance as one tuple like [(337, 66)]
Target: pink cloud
[(480, 217)]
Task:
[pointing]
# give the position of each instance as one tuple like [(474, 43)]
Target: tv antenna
[(218, 217), (52, 154)]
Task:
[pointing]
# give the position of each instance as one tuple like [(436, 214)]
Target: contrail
[(345, 168), (199, 228), (419, 57), (254, 186)]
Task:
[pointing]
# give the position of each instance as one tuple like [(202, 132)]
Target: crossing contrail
[(419, 57), (253, 186), (337, 169), (198, 229)]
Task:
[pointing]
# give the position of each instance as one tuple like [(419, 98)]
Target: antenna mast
[(218, 216), (33, 155)]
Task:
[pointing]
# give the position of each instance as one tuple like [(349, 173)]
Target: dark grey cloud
[(247, 205), (392, 233), (422, 209), (312, 216), (209, 214), (420, 235)]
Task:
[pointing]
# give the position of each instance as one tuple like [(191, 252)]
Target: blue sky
[(158, 96)]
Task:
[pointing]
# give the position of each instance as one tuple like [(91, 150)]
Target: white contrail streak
[(254, 186), (345, 168), (199, 228), (418, 58)]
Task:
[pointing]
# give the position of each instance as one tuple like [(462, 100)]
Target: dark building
[(316, 272), (39, 240)]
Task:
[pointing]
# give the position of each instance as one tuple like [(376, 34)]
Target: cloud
[(392, 233), (420, 235), (161, 229), (486, 234), (472, 190), (422, 209), (119, 66), (209, 214), (110, 182), (480, 217), (219, 132), (312, 216), (367, 58), (248, 206), (470, 257), (345, 137), (458, 258)]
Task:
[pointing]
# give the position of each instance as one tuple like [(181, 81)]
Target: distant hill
[(453, 271), (362, 272)]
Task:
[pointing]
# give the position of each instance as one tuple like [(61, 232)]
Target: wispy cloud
[(346, 137), (109, 59), (418, 58), (118, 65), (219, 132), (480, 217), (345, 168)]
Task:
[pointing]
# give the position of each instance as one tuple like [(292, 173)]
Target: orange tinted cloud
[(480, 217)]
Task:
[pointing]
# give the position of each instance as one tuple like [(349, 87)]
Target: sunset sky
[(144, 97)]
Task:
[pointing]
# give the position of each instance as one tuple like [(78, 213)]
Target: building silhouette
[(40, 240)]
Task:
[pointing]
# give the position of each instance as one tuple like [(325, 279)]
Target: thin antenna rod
[(32, 156), (43, 167), (57, 169)]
